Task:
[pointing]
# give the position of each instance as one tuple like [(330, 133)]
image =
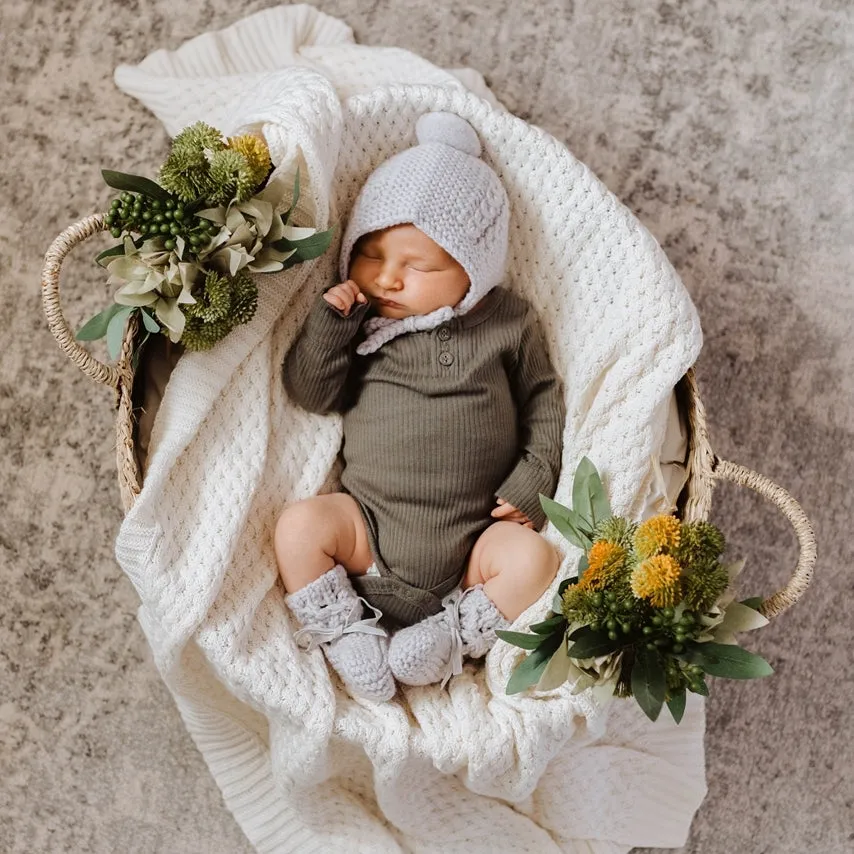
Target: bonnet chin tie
[(320, 631), (382, 329)]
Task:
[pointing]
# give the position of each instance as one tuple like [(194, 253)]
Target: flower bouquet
[(651, 613), (189, 242)]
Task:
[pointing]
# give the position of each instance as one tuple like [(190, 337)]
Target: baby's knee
[(508, 547)]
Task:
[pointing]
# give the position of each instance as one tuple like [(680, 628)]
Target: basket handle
[(798, 583), (61, 246)]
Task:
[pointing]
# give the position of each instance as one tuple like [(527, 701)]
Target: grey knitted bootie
[(433, 650), (330, 613)]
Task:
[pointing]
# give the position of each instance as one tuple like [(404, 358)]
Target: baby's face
[(404, 272)]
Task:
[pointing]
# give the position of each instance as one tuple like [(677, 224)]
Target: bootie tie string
[(327, 628)]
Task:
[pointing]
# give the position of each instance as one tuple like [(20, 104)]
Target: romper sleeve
[(538, 392), (316, 367)]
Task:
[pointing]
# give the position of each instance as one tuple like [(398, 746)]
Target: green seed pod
[(656, 620), (611, 623), (626, 627), (169, 244), (677, 648), (612, 635), (116, 232), (164, 228), (648, 630)]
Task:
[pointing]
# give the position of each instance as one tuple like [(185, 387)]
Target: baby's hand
[(344, 295), (508, 513)]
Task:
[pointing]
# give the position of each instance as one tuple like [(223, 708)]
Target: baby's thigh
[(332, 523)]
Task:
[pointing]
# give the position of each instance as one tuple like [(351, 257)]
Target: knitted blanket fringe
[(302, 766)]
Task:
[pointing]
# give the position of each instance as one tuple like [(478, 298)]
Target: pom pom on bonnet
[(443, 188)]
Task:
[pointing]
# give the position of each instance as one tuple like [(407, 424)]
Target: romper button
[(446, 359), (444, 333)]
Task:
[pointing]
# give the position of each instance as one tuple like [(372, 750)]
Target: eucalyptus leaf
[(727, 661), (649, 682), (557, 670), (582, 566), (135, 184), (567, 522), (109, 253), (116, 329), (590, 644), (149, 322), (526, 674), (96, 327), (581, 503), (552, 624), (287, 214), (521, 639), (676, 704), (307, 248), (589, 498), (741, 618)]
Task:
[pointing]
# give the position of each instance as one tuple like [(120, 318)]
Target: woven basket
[(695, 501)]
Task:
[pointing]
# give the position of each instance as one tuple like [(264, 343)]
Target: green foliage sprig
[(650, 614), (190, 242)]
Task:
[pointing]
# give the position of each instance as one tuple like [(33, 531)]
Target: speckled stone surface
[(725, 126)]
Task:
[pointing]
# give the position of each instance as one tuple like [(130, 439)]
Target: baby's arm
[(316, 368), (538, 393)]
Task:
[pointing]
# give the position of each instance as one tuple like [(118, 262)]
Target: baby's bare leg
[(514, 564), (314, 535)]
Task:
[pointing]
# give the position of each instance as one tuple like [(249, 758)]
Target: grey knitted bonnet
[(443, 188)]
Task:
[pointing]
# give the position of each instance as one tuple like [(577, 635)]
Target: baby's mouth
[(390, 303)]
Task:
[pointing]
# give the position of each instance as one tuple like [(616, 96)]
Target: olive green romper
[(437, 425)]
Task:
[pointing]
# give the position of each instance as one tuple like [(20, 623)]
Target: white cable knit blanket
[(302, 766)]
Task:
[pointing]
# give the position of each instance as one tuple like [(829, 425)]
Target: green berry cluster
[(680, 674), (617, 615), (667, 634), (139, 214)]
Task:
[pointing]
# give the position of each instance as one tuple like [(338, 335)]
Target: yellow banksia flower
[(604, 562), (657, 534), (257, 155), (657, 580)]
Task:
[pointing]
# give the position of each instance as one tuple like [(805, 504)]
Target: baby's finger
[(341, 303), (502, 511), (351, 288)]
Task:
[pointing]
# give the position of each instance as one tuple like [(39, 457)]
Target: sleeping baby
[(452, 420)]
